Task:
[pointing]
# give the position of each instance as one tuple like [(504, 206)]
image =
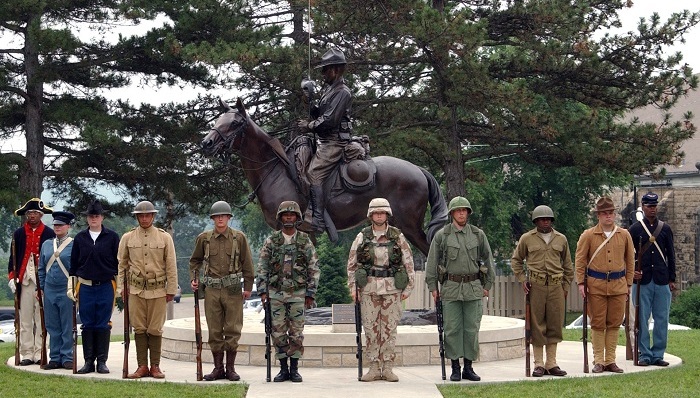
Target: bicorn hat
[(604, 204), (33, 204)]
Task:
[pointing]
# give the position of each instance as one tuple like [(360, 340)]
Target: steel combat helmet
[(144, 207), (220, 208), (459, 202), (542, 211)]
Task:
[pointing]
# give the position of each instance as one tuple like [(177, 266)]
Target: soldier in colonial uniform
[(24, 258), (288, 276), (147, 260), (546, 277), (381, 265), (93, 266), (54, 263), (460, 259), (224, 256)]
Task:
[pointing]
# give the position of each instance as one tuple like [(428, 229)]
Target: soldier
[(224, 255), (54, 263), (380, 264), (547, 280), (605, 253), (333, 125), (656, 279), (147, 260), (93, 266), (460, 259), (21, 270), (288, 276)]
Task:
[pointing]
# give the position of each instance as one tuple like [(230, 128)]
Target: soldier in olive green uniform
[(288, 276), (380, 263), (460, 259), (547, 280), (147, 259), (224, 255)]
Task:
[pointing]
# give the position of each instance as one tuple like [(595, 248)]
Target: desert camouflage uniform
[(380, 299), (288, 272)]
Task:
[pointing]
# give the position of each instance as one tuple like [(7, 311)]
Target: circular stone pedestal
[(500, 338)]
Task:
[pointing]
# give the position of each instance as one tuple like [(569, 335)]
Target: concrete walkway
[(417, 381)]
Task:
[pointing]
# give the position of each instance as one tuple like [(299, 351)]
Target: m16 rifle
[(358, 331), (268, 337)]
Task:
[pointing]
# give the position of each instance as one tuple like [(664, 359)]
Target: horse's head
[(227, 132)]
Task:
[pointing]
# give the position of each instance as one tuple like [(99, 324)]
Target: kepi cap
[(63, 218), (650, 198)]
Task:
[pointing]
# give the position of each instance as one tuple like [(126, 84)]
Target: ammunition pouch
[(401, 278), (540, 278), (441, 274), (142, 283), (231, 282)]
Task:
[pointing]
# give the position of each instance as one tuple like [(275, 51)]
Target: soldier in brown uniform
[(547, 279), (147, 259), (224, 255), (605, 253)]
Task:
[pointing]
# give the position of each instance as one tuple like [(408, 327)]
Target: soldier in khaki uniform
[(147, 259), (381, 265), (224, 255), (610, 272), (547, 280)]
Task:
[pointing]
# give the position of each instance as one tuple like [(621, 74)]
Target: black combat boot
[(102, 338), (468, 372), (283, 375), (455, 376), (88, 337), (318, 200), (294, 370)]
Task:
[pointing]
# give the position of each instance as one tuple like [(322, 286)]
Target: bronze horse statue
[(408, 188)]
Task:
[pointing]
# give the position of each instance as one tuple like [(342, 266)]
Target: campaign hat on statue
[(650, 198), (63, 218), (33, 204)]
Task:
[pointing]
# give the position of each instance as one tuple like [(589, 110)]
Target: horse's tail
[(438, 206)]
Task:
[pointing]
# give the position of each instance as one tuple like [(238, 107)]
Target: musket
[(127, 335), (198, 332), (441, 331), (637, 267), (528, 331), (17, 306), (629, 355), (75, 334), (40, 297), (268, 337), (358, 331), (585, 321)]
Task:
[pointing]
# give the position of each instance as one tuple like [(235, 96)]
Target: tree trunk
[(31, 176), (454, 164)]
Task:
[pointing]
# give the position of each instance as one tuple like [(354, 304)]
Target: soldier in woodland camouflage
[(288, 276), (381, 264)]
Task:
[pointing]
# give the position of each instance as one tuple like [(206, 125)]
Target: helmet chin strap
[(290, 225)]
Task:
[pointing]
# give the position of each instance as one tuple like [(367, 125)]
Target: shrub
[(685, 310)]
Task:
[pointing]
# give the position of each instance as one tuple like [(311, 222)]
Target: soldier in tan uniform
[(605, 254), (224, 255), (547, 279), (381, 264), (147, 259)]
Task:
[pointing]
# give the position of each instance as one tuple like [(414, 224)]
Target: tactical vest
[(297, 251), (366, 258), (235, 261)]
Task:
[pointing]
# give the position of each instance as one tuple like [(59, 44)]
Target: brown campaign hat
[(604, 204)]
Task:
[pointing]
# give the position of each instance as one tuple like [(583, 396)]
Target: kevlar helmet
[(220, 208), (542, 211), (144, 207), (379, 204), (289, 206), (459, 202)]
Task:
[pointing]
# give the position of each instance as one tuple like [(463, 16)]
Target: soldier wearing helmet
[(288, 277), (542, 263), (460, 259), (332, 124), (147, 260), (380, 276), (223, 255)]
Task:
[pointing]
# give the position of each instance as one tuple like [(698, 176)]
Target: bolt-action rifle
[(585, 321), (528, 331), (198, 332), (127, 337), (441, 331)]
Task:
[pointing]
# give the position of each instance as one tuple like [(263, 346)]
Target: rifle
[(628, 341), (637, 267), (585, 321), (127, 336), (441, 331), (198, 332), (16, 281), (358, 330), (40, 297), (75, 336), (528, 331), (268, 337)]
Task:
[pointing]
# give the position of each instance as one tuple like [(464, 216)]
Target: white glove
[(12, 286), (72, 281)]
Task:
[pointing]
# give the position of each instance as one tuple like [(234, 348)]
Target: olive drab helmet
[(289, 206), (144, 207), (542, 211), (459, 202), (220, 208), (378, 204)]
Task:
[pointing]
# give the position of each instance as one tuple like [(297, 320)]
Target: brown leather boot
[(218, 373), (230, 369), (156, 372), (142, 371)]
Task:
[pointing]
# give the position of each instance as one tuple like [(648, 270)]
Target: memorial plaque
[(343, 313)]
